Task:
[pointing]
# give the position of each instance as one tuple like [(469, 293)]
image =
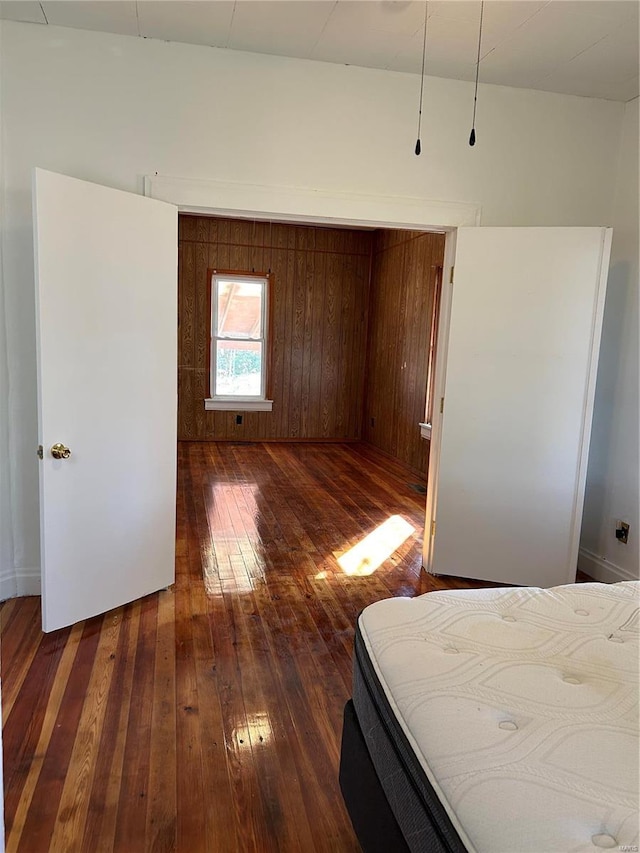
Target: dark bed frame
[(373, 821)]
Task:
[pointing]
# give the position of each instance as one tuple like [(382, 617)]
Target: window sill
[(425, 431), (238, 405)]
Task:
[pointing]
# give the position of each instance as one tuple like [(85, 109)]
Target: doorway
[(349, 336)]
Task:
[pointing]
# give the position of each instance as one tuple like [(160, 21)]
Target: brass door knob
[(59, 451)]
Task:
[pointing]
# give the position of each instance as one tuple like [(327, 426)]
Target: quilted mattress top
[(522, 708)]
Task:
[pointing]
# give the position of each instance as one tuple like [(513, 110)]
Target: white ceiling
[(579, 47)]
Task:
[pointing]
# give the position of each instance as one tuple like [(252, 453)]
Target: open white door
[(106, 285), (510, 448)]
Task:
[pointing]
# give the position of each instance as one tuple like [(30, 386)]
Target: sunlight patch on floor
[(365, 557), (255, 731)]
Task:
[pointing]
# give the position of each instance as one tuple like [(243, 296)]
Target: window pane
[(239, 309), (238, 368)]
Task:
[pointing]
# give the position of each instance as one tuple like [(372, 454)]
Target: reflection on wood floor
[(208, 717)]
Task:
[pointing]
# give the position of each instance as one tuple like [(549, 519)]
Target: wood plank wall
[(403, 283), (319, 321)]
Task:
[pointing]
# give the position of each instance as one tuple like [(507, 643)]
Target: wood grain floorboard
[(101, 822), (207, 717)]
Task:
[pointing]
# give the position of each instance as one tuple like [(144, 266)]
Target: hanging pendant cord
[(424, 51), (472, 137)]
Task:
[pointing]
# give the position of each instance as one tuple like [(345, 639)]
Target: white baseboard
[(28, 581), (8, 585), (602, 570), (19, 582)]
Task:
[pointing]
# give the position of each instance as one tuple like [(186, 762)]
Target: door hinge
[(40, 452), (433, 527), (441, 405), (451, 275)]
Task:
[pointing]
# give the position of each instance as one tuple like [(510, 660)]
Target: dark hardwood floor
[(208, 717)]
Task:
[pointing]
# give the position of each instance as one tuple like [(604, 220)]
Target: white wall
[(6, 551), (614, 464), (7, 575), (112, 109)]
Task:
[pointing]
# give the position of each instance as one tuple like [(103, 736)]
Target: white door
[(510, 448), (106, 286)]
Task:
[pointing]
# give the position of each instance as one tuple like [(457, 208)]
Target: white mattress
[(522, 708)]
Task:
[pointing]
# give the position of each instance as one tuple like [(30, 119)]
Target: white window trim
[(237, 404), (232, 403)]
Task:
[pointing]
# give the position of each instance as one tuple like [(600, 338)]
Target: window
[(239, 341)]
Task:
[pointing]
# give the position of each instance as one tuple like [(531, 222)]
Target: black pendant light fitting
[(418, 148), (472, 135)]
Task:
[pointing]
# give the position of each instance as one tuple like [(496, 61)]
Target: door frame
[(310, 206), (439, 383), (339, 209)]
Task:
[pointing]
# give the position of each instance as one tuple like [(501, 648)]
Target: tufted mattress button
[(581, 612), (508, 619), (571, 679), (604, 840), (508, 726), (451, 651)]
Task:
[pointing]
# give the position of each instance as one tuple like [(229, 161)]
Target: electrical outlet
[(622, 532), (239, 420)]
